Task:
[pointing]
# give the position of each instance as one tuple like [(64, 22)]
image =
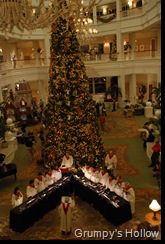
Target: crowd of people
[(36, 185), (106, 176), (108, 181), (152, 136)]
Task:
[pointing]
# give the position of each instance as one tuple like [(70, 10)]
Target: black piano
[(8, 169)]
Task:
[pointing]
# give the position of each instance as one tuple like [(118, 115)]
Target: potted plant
[(157, 92), (142, 91), (114, 91)]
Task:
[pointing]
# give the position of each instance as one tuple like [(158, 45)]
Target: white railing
[(131, 12), (105, 57), (136, 55)]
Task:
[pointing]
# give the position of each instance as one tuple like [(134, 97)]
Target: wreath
[(142, 89)]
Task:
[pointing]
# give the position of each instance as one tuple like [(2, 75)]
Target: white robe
[(118, 190), (40, 184), (16, 201), (110, 184), (103, 177), (67, 162), (48, 180), (57, 174), (130, 197), (111, 164), (95, 176), (31, 191), (87, 171), (66, 218)]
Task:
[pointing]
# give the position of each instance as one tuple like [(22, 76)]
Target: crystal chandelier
[(84, 30), (33, 14)]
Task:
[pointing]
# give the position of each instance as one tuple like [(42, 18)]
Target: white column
[(121, 84), (46, 49), (118, 9), (6, 53), (159, 43), (36, 54), (119, 43), (94, 15), (132, 43), (41, 90), (132, 88)]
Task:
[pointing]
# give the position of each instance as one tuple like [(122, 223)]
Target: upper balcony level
[(107, 16), (138, 23)]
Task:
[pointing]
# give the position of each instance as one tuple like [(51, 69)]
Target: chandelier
[(85, 31), (33, 14)]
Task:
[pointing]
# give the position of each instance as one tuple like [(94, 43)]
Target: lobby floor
[(132, 166)]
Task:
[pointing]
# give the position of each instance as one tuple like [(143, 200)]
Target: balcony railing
[(131, 12), (4, 65), (86, 57), (136, 55)]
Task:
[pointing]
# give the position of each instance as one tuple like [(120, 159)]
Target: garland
[(106, 20)]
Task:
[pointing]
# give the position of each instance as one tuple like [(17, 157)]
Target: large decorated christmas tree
[(72, 123)]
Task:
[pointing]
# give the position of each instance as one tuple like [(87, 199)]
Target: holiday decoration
[(113, 53), (106, 20), (71, 126)]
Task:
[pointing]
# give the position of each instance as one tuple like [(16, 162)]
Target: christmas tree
[(71, 116)]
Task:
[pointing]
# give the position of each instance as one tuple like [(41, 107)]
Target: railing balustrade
[(86, 57)]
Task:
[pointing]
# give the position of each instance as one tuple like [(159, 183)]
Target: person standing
[(66, 208), (110, 183), (17, 197), (114, 105), (150, 138), (39, 182), (49, 180), (104, 110), (57, 174), (156, 153), (129, 195), (67, 160), (31, 189), (111, 163), (95, 175), (102, 120), (14, 61), (97, 106), (103, 176)]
